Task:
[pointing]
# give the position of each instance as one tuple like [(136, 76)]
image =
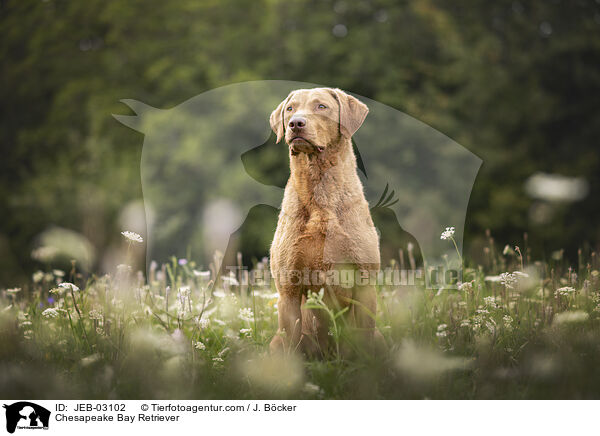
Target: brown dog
[(325, 229)]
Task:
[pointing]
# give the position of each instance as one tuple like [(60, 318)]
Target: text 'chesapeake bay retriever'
[(325, 238)]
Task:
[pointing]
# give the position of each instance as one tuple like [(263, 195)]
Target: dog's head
[(311, 120)]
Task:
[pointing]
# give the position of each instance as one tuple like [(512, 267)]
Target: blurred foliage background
[(517, 83)]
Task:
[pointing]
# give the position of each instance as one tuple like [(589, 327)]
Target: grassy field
[(516, 329)]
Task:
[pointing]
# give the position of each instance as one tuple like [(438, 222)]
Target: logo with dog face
[(214, 173), (26, 415)]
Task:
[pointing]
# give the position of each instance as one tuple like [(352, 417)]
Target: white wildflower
[(490, 301), (508, 279), (448, 233), (246, 314), (132, 236), (467, 286), (183, 300), (69, 286), (203, 323), (265, 295), (50, 313), (202, 274), (13, 291), (441, 331), (199, 345), (246, 332), (95, 314), (566, 290), (38, 276)]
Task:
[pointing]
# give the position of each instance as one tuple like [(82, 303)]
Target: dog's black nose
[(297, 123)]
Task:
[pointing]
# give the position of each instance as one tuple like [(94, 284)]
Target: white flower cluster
[(442, 331), (68, 286), (203, 323), (508, 279), (565, 291), (466, 286), (246, 314), (95, 314), (132, 236), (490, 301), (50, 313), (205, 275), (448, 233), (184, 300)]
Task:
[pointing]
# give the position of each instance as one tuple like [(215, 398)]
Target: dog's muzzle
[(301, 145)]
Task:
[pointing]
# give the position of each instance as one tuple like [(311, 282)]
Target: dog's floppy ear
[(276, 118), (352, 112)]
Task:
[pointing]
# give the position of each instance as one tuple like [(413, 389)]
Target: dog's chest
[(309, 240), (318, 241)]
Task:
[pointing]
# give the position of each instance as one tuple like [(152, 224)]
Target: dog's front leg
[(289, 332), (365, 308)]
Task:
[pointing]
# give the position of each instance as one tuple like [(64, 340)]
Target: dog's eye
[(289, 108), (322, 106)]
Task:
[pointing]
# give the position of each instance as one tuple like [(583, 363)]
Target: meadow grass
[(514, 329)]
